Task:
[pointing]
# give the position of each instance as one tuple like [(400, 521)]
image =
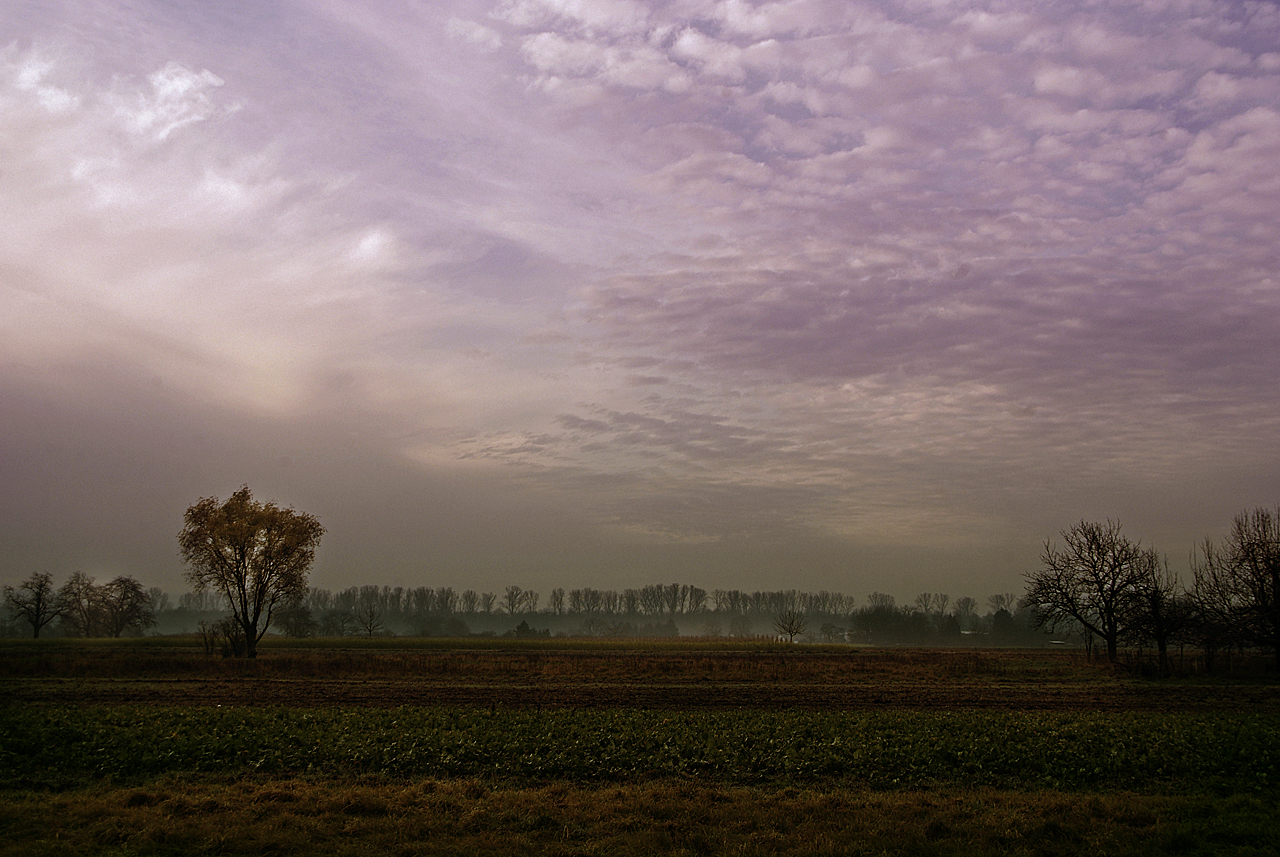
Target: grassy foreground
[(186, 816), (127, 780), (150, 749)]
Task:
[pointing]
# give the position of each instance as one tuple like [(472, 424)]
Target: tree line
[(1104, 586), (683, 609), (252, 558), (83, 607), (655, 610)]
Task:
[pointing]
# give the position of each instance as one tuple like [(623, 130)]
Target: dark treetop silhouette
[(256, 555)]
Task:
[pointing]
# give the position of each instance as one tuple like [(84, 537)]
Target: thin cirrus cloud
[(892, 290)]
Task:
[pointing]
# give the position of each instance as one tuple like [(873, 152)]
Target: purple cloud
[(659, 279)]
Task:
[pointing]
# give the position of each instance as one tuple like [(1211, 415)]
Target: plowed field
[(684, 679)]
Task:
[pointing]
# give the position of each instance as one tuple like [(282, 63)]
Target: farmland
[(561, 746)]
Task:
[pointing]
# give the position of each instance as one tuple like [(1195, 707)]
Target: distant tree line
[(1103, 587), (82, 608), (1099, 587), (657, 610)]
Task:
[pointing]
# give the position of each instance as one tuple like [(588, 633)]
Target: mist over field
[(815, 294)]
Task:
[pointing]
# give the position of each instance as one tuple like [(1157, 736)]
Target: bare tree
[(1237, 583), (1091, 581), (446, 600), (1159, 611), (256, 555), (880, 601), (124, 605), (651, 601), (513, 600), (368, 611), (629, 602), (530, 601), (610, 601), (673, 598), (469, 601), (158, 600), (81, 605), (1002, 601), (35, 600), (924, 603), (791, 624)]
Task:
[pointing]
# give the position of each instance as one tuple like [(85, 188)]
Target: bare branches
[(1090, 581), (35, 601), (790, 624), (1237, 582)]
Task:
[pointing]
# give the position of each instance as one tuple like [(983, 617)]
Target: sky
[(814, 294)]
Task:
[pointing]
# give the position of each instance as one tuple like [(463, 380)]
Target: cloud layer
[(892, 290)]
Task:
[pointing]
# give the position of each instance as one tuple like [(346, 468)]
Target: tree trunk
[(250, 640)]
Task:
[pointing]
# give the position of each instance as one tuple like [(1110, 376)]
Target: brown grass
[(297, 816)]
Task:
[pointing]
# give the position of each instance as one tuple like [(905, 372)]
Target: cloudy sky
[(816, 293)]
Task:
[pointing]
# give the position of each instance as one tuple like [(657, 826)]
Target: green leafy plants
[(1074, 751)]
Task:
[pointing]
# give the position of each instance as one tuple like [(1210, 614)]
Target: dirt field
[(683, 679)]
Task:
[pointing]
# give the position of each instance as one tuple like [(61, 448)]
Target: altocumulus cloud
[(888, 290)]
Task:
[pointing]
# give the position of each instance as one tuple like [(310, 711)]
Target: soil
[(863, 681)]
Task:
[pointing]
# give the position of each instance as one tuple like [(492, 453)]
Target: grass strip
[(353, 818)]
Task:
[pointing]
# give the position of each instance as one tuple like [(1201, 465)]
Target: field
[(407, 747)]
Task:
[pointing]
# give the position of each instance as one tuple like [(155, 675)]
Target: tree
[(295, 620), (368, 611), (107, 610), (1237, 583), (791, 624), (1091, 581), (256, 555), (124, 605), (80, 600), (158, 600), (1001, 601), (469, 601), (446, 600), (337, 623), (1160, 613), (35, 600)]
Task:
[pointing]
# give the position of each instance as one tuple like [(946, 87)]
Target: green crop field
[(126, 750)]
